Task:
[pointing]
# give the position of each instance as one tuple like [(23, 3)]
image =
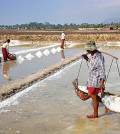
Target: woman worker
[(5, 49)]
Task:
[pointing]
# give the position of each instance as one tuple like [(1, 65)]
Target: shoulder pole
[(109, 55)]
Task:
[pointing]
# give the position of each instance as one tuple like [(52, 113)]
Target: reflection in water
[(62, 55), (6, 66)]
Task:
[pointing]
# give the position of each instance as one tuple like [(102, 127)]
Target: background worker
[(5, 49), (62, 40)]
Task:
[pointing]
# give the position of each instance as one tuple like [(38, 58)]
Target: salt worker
[(96, 78), (5, 49), (62, 40)]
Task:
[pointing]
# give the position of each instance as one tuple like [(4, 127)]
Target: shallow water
[(12, 70), (52, 107)]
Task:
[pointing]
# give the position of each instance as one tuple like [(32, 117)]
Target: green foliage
[(48, 26)]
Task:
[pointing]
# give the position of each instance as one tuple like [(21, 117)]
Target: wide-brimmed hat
[(90, 45)]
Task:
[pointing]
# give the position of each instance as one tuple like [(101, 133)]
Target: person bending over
[(5, 49)]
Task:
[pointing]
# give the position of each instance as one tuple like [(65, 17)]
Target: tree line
[(48, 26)]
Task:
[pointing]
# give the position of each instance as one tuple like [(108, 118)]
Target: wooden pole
[(109, 55)]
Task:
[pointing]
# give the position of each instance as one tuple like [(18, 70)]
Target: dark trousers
[(4, 52), (62, 43)]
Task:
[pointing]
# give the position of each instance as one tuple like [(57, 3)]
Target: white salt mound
[(112, 102)]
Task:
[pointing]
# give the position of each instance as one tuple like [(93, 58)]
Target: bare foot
[(92, 116), (106, 110)]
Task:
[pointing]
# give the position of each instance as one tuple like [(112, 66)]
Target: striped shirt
[(96, 70)]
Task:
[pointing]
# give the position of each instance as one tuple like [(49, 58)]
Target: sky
[(58, 11)]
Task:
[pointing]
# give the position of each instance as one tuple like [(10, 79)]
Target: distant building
[(110, 27)]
